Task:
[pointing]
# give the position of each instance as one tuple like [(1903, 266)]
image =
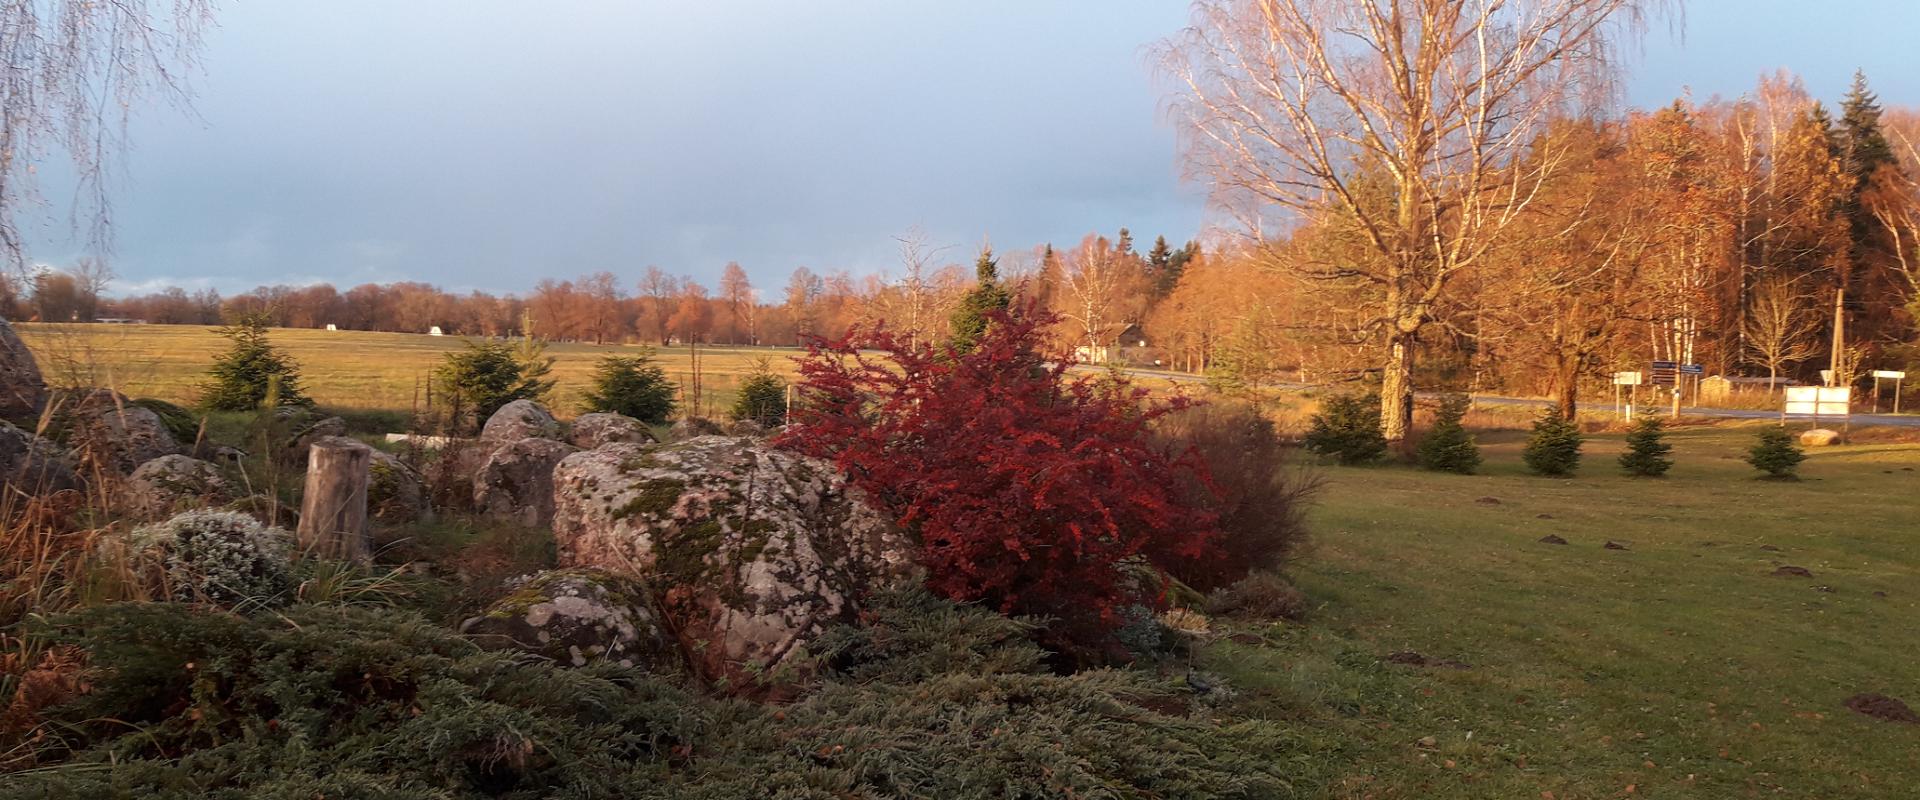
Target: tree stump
[(333, 510)]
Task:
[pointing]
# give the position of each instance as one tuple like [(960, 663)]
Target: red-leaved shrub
[(1029, 489)]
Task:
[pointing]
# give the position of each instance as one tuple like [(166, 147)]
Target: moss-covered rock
[(593, 430), (520, 419), (108, 432), (751, 552), (575, 617), (170, 484), (515, 482)]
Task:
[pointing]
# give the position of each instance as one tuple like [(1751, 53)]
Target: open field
[(1681, 667), (342, 369)]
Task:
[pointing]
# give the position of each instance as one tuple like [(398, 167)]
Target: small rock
[(1824, 588), (575, 617), (1879, 594), (1552, 539), (1789, 570), (1820, 437), (1613, 545), (1428, 741), (1880, 706), (1488, 501)]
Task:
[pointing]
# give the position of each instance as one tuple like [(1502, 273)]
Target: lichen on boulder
[(223, 557), (751, 551), (593, 430), (174, 483), (520, 419), (33, 464), (108, 432), (515, 481), (575, 617)]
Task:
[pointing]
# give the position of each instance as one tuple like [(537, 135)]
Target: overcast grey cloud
[(486, 144)]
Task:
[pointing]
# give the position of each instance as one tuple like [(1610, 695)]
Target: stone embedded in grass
[(1789, 570), (1821, 437), (1552, 539), (575, 617)]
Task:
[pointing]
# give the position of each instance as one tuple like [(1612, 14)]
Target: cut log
[(333, 510)]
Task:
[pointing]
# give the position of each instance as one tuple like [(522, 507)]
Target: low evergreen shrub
[(1347, 427), (1647, 449), (1776, 453), (1554, 446), (632, 385), (762, 398), (1448, 447)]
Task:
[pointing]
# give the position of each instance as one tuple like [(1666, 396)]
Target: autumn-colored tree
[(1028, 489), (736, 293), (1781, 324), (1289, 103)]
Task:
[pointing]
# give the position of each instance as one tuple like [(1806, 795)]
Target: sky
[(481, 144)]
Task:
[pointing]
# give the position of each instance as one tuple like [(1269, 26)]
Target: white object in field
[(435, 331), (421, 439), (1819, 401), (332, 327)]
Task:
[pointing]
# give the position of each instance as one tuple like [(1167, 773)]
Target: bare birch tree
[(1288, 104), (1780, 325), (74, 71)]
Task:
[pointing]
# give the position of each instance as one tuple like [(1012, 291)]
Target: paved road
[(1899, 420)]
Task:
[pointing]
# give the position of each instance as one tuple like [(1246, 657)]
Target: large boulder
[(516, 480), (593, 430), (33, 464), (693, 427), (575, 617), (520, 419), (746, 427), (1820, 437), (22, 391), (108, 432), (751, 551), (171, 484), (297, 429)]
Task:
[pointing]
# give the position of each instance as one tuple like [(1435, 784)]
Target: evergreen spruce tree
[(763, 397), (634, 386), (1647, 449), (1554, 446), (987, 296), (252, 371), (487, 375), (1448, 447), (1776, 453), (1864, 145), (1348, 428)]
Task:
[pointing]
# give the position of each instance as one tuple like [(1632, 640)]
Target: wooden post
[(333, 510)]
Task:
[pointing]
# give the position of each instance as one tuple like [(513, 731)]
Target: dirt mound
[(1613, 545), (1414, 658), (1488, 501), (1789, 570), (1880, 706), (1552, 539)]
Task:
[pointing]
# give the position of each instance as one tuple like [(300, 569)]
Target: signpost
[(1817, 402), (1883, 374), (1631, 380)]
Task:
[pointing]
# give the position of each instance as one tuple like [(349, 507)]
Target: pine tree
[(634, 386), (1448, 447), (1776, 453), (1554, 446), (252, 371), (986, 297), (1647, 449), (763, 397), (1864, 145), (487, 375), (1348, 428)]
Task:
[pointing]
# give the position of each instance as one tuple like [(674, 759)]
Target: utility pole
[(1839, 336)]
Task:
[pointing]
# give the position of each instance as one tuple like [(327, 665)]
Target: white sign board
[(1890, 374), (1820, 401), (1628, 379)]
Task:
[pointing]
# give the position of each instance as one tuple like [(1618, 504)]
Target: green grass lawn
[(1680, 667), (343, 369)]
